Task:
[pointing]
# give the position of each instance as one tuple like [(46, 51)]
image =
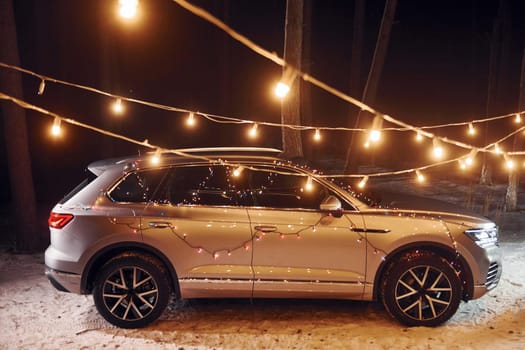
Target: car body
[(244, 223)]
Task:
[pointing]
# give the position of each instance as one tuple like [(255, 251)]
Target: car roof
[(187, 154)]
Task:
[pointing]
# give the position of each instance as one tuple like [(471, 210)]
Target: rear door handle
[(159, 224), (265, 228)]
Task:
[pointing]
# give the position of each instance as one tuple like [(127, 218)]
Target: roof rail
[(229, 149)]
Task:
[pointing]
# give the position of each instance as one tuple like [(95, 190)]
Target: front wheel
[(421, 289), (131, 290)]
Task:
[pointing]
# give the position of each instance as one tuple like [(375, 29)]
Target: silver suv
[(243, 223)]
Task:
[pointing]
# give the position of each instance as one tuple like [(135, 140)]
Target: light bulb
[(517, 119), (253, 131), (419, 137), (375, 136), (363, 182), (470, 158), (497, 149), (128, 8), (118, 107), (155, 158), (509, 163), (191, 120), (317, 135), (420, 177), (437, 151), (41, 87), (471, 129), (56, 129), (309, 184), (282, 89), (237, 172)]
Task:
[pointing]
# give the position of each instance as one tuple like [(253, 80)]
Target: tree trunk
[(291, 105), (374, 74), (511, 196), (15, 128)]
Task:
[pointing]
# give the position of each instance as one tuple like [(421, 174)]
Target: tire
[(421, 289), (131, 290)]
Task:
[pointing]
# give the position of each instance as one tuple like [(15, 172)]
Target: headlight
[(484, 236)]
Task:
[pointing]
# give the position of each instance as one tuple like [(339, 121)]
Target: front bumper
[(63, 281)]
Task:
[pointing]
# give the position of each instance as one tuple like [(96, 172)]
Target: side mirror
[(332, 205)]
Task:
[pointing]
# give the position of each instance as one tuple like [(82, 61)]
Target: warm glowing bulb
[(497, 149), (419, 137), (471, 129), (155, 158), (281, 89), (237, 172), (41, 87), (56, 129), (118, 107), (309, 184), (253, 131), (317, 135), (420, 177), (128, 8), (437, 150), (517, 119), (367, 144), (363, 182), (375, 136), (510, 164), (191, 120)]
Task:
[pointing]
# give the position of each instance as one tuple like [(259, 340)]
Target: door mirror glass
[(332, 205)]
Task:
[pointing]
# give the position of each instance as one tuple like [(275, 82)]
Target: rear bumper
[(63, 281)]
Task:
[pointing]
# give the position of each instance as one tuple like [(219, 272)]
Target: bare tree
[(376, 68), (15, 128), (291, 105)]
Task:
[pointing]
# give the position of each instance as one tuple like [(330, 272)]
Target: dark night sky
[(436, 71)]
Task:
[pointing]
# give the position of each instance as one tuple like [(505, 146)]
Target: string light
[(419, 176), (128, 8), (56, 129), (471, 129), (252, 132), (237, 172), (118, 107), (437, 150), (517, 119), (497, 149), (375, 133), (309, 184), (363, 182), (317, 135), (155, 158), (190, 122), (283, 86), (509, 163), (419, 137), (42, 87), (470, 158)]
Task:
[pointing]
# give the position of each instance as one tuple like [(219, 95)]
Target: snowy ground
[(33, 315)]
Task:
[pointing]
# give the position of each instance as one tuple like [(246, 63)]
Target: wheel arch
[(456, 260), (102, 256)]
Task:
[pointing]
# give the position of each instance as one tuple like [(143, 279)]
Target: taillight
[(57, 220)]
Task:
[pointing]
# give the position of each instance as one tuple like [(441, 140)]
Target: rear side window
[(90, 177), (138, 187)]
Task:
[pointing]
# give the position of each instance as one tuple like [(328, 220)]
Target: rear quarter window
[(138, 187)]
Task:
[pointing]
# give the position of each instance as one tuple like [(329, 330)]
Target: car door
[(299, 250), (198, 219)]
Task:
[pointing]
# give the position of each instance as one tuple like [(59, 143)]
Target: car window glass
[(138, 187), (205, 185), (280, 190)]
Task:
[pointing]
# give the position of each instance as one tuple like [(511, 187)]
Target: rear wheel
[(422, 289), (131, 290)]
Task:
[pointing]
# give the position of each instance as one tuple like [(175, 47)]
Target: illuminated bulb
[(282, 89), (497, 149), (471, 130), (375, 135), (155, 158), (237, 172), (437, 151), (309, 184), (363, 182), (191, 120), (317, 135), (509, 163), (253, 131), (56, 129), (462, 164), (128, 8), (367, 144), (420, 177), (419, 137), (470, 158), (41, 87), (517, 119), (118, 107)]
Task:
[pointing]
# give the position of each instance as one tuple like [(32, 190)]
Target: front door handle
[(159, 224), (265, 228)]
